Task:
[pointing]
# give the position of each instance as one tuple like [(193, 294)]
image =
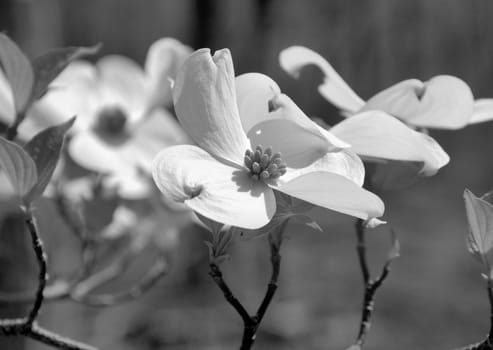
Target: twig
[(217, 276), (371, 285), (27, 326), (250, 330), (49, 338), (41, 259), (251, 323)]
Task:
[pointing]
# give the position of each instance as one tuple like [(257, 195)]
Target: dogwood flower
[(251, 140), (443, 102), (372, 129), (121, 124)]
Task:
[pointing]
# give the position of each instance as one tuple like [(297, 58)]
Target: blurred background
[(434, 297)]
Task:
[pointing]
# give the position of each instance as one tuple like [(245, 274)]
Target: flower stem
[(371, 285), (251, 323), (41, 259)]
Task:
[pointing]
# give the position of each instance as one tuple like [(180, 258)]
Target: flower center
[(111, 120), (263, 164)]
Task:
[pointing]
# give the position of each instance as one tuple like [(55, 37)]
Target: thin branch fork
[(371, 285), (250, 323), (27, 326)]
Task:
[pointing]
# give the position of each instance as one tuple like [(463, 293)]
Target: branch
[(251, 323), (57, 341), (27, 326), (371, 285), (217, 276), (41, 259)]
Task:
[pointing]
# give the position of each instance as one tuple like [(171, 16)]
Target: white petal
[(130, 186), (262, 106), (334, 88), (254, 91), (93, 153), (205, 103), (7, 111), (377, 134), (74, 92), (156, 132), (483, 111), (297, 147), (344, 163), (164, 57), (444, 102), (122, 83), (334, 192), (212, 188)]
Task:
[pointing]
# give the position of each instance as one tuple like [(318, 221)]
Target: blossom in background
[(443, 102), (239, 128), (121, 122), (480, 237)]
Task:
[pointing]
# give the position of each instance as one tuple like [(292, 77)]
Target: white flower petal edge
[(92, 152), (339, 194), (334, 88), (216, 190), (443, 102), (344, 163), (7, 111), (74, 92), (163, 60), (379, 135), (262, 106), (205, 102), (122, 83), (483, 111)]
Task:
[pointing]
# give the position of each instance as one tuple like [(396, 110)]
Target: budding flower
[(480, 238)]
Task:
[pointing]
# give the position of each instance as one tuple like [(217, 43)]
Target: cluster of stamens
[(263, 164)]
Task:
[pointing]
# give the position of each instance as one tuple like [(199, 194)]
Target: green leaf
[(18, 166), (18, 71), (44, 149), (49, 65)]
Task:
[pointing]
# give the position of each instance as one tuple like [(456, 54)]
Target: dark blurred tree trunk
[(6, 22), (36, 25), (204, 32)]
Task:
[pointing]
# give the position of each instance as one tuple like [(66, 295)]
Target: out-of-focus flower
[(443, 102), (121, 123), (147, 223), (230, 177), (480, 237)]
